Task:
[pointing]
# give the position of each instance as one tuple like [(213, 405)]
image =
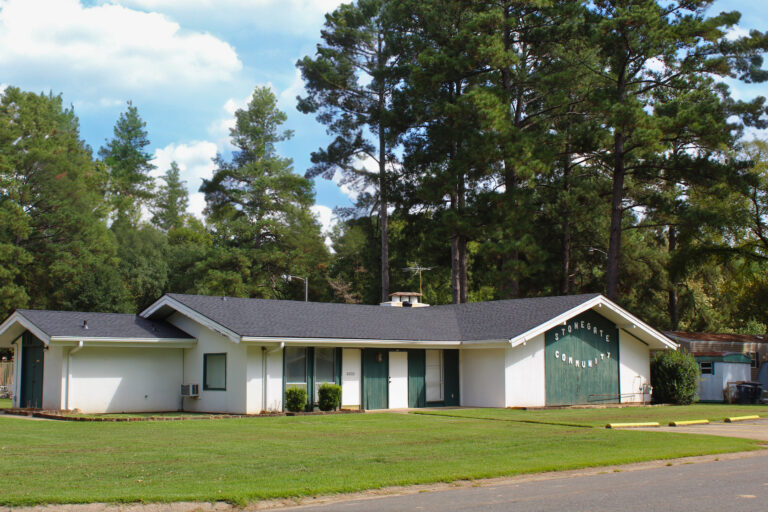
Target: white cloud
[(194, 160), (219, 129), (327, 220), (287, 98), (273, 16), (108, 47), (736, 32)]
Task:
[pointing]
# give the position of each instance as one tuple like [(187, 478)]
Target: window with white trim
[(215, 372)]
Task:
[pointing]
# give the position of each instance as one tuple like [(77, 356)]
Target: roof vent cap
[(85, 324)]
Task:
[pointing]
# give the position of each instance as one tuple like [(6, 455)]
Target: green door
[(582, 361), (375, 378), (31, 372), (451, 377), (417, 371)]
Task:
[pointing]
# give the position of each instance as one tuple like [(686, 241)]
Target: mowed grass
[(5, 403), (600, 417), (244, 460)]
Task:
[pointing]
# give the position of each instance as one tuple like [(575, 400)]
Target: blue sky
[(187, 65)]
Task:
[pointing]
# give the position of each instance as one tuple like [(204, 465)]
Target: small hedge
[(329, 397), (295, 399), (674, 377)]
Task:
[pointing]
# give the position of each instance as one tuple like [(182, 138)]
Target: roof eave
[(357, 342), (15, 325), (170, 302), (639, 329)]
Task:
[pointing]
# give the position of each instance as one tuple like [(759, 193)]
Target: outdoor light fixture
[(289, 278), (379, 357)]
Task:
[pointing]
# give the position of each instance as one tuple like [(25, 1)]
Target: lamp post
[(595, 249), (289, 277)]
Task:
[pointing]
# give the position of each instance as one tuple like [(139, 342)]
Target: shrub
[(329, 397), (295, 399), (674, 377)]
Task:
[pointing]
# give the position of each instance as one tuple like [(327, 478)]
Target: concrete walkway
[(750, 429)]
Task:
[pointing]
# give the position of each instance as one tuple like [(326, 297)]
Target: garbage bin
[(748, 392)]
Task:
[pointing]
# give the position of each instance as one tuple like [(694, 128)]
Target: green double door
[(376, 377), (32, 359), (582, 361)]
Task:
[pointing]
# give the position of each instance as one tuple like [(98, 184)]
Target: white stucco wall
[(524, 374), (255, 380), (482, 377), (234, 398), (634, 368), (274, 380), (120, 379), (53, 369)]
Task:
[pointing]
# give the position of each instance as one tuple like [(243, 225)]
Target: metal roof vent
[(85, 324)]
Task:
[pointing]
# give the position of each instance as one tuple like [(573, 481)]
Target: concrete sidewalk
[(750, 429)]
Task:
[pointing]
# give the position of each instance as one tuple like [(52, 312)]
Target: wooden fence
[(6, 374)]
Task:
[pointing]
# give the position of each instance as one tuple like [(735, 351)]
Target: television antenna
[(418, 269)]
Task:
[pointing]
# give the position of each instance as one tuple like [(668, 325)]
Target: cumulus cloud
[(327, 220), (108, 46), (195, 163), (272, 16)]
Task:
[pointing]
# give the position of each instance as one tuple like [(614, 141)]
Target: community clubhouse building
[(234, 355)]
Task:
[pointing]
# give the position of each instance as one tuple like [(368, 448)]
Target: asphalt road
[(725, 485)]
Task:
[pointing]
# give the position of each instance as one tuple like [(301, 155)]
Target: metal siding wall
[(417, 370), (590, 372), (451, 362)]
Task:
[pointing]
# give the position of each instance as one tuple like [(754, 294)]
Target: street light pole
[(288, 277)]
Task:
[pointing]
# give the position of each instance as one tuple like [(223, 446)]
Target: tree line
[(514, 149)]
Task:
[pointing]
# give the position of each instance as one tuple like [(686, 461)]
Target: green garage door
[(582, 361)]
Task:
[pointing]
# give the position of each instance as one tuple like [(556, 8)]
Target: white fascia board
[(598, 301), (639, 324), (350, 342), (18, 318), (192, 315), (147, 342)]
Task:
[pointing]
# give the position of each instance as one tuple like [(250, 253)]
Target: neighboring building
[(723, 359), (239, 355), (754, 347)]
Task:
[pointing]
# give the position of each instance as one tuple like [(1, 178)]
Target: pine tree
[(55, 249), (171, 201), (648, 50), (350, 85), (128, 166), (259, 211)]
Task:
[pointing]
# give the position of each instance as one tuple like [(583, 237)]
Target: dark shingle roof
[(456, 322), (100, 325)]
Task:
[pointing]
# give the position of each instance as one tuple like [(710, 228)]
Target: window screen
[(296, 367), (706, 368), (215, 371), (325, 367)]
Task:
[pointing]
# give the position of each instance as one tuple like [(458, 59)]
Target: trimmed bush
[(674, 377), (329, 397), (295, 399)]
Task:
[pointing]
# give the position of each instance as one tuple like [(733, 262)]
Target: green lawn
[(243, 460), (599, 417), (5, 403)]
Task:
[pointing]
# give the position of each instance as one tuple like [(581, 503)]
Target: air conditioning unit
[(190, 390)]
